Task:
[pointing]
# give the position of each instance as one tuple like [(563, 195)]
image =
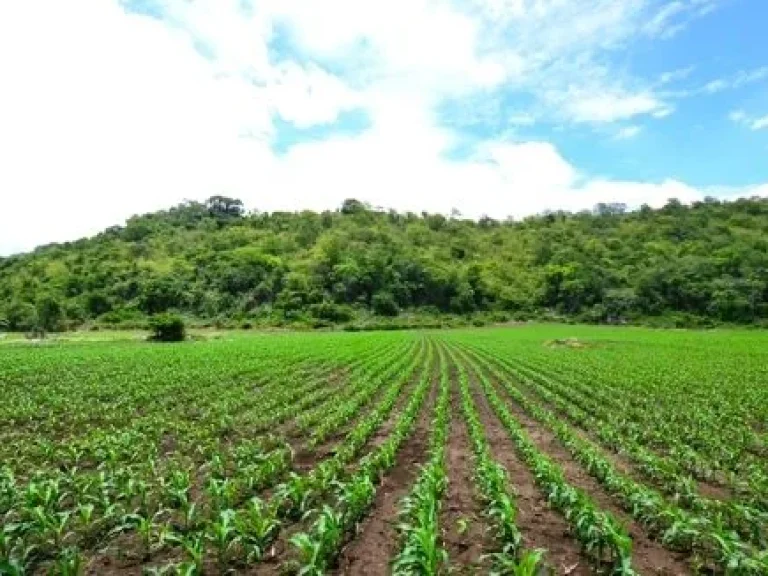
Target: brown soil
[(648, 557), (714, 491), (123, 557), (375, 544), (462, 522), (541, 526)]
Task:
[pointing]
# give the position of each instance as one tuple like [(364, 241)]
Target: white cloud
[(501, 179), (760, 123), (675, 16), (628, 132), (235, 38), (100, 121), (661, 23), (716, 86), (744, 119), (737, 116), (675, 75), (385, 41), (602, 107), (105, 113), (566, 49), (741, 78), (306, 96)]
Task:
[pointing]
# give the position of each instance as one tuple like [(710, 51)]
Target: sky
[(110, 108)]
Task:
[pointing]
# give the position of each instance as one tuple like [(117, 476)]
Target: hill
[(214, 262)]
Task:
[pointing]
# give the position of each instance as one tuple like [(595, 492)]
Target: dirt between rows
[(648, 556), (540, 526), (464, 528), (372, 549)]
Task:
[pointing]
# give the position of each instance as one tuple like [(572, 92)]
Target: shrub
[(384, 304), (123, 318), (167, 327), (331, 312)]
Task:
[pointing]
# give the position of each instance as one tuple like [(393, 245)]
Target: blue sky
[(499, 107)]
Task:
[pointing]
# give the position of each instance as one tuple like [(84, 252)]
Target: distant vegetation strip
[(361, 267)]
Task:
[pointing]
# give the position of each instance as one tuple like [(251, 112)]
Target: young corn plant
[(257, 527), (315, 548), (421, 550), (223, 536)]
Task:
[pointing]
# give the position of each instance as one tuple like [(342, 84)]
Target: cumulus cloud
[(109, 111)]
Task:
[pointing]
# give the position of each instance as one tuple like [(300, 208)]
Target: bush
[(384, 304), (123, 318), (167, 327), (331, 312)]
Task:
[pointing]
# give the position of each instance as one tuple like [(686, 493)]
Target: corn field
[(526, 450)]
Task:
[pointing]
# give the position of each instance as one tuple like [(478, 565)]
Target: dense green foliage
[(167, 327), (213, 262)]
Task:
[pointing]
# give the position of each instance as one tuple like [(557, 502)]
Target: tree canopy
[(213, 260)]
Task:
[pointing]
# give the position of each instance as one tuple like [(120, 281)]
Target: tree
[(619, 302), (20, 316), (167, 327), (159, 295), (97, 303), (610, 209), (331, 312), (49, 314), (224, 207), (352, 206)]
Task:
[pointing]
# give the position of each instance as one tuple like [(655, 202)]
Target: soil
[(541, 526), (374, 546), (462, 522)]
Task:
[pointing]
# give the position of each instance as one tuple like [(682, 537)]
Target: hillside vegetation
[(214, 262)]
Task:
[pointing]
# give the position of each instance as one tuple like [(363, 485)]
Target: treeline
[(217, 264)]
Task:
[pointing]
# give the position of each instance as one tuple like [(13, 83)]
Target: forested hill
[(212, 261)]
